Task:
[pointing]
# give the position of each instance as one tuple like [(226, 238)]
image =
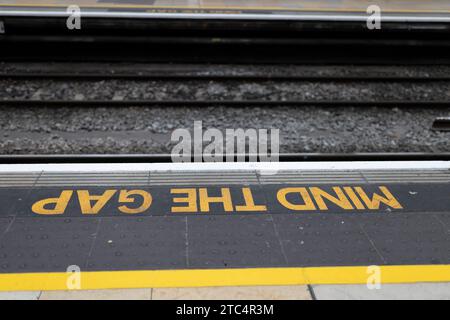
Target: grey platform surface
[(416, 234)]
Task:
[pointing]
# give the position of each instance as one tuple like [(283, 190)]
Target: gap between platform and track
[(167, 158)]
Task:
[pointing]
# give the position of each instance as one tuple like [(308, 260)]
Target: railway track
[(349, 49), (126, 76)]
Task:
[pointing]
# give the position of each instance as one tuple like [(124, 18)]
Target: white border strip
[(228, 166), (424, 17)]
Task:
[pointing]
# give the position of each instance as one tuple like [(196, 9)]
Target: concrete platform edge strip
[(263, 167), (224, 277)]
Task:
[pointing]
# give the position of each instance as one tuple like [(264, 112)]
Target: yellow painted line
[(175, 7), (224, 277)]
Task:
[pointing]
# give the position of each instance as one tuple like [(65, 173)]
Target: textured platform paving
[(164, 228), (215, 293), (418, 291)]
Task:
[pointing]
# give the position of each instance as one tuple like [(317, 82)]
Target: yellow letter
[(191, 200), (205, 200), (352, 195), (85, 201), (341, 201), (249, 202), (309, 205), (374, 204), (60, 204), (127, 197)]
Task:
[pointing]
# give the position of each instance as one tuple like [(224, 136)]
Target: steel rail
[(211, 103), (217, 77), (404, 17)]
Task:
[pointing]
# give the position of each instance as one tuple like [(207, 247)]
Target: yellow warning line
[(224, 277), (239, 8)]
